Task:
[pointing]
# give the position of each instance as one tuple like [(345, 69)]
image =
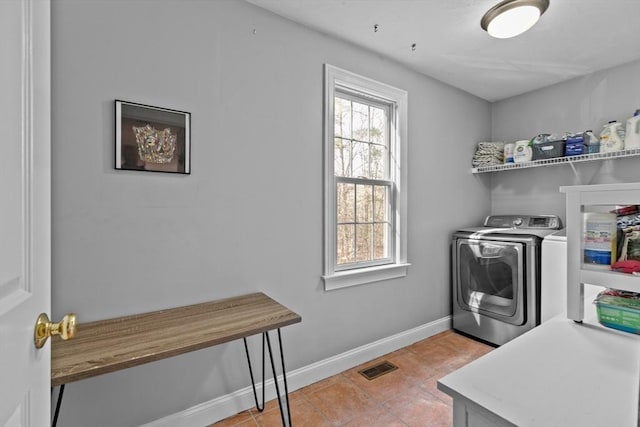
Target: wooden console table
[(110, 345)]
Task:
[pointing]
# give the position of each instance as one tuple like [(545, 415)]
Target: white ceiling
[(573, 38)]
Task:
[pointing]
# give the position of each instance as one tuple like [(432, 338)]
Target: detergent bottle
[(612, 137), (592, 144), (632, 135)]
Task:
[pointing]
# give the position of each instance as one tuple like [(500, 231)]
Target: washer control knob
[(517, 222)]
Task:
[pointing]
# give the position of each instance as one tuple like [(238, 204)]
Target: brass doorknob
[(44, 329)]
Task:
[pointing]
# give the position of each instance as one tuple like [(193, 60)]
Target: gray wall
[(249, 217), (583, 103)]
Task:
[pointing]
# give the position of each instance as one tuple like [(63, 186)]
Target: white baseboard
[(225, 406)]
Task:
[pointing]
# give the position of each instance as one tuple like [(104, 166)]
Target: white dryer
[(553, 275)]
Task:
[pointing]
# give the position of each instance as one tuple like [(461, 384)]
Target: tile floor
[(405, 397)]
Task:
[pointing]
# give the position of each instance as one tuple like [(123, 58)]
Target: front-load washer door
[(490, 279)]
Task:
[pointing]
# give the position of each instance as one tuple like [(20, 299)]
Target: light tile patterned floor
[(405, 397)]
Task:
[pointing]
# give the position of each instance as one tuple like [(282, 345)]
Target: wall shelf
[(557, 161)]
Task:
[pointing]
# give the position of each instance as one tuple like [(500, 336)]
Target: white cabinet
[(587, 198), (467, 413)]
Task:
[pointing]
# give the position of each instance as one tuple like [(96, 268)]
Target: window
[(365, 175)]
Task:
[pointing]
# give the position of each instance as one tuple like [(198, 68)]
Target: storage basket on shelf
[(548, 150), (574, 146), (619, 310)]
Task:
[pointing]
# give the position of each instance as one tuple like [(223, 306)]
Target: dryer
[(496, 276)]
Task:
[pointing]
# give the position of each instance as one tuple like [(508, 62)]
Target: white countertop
[(560, 374)]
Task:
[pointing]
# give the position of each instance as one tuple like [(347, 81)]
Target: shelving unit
[(579, 199), (557, 161)]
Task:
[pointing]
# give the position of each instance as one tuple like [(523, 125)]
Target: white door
[(25, 210)]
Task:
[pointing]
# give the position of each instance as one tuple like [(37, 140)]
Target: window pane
[(344, 244), (364, 206), (361, 160), (346, 204), (379, 161), (378, 126), (380, 247), (380, 210), (360, 122), (364, 236), (342, 113), (342, 157)]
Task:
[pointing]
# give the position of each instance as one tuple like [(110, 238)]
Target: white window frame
[(334, 276)]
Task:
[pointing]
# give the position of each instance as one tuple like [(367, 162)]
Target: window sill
[(344, 279)]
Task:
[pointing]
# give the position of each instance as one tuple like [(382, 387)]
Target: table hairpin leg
[(253, 384), (58, 403), (284, 379), (265, 336)]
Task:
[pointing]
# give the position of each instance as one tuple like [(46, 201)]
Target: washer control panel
[(539, 222)]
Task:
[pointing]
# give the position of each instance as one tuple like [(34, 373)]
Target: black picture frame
[(152, 139)]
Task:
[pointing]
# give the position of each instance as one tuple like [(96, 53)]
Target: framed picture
[(152, 139)]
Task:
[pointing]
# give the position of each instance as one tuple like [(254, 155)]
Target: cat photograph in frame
[(152, 139)]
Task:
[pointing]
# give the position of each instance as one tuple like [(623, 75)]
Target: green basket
[(619, 313)]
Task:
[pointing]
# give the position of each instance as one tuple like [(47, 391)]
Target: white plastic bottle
[(612, 137), (591, 141), (632, 134), (508, 152)]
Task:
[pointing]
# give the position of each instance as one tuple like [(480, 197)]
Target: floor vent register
[(380, 369)]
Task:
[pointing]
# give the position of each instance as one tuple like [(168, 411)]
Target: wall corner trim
[(225, 406)]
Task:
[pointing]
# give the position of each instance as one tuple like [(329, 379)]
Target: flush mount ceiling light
[(512, 17)]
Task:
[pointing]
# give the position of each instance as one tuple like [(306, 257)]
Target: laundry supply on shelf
[(488, 153), (522, 151), (600, 232), (628, 235), (509, 148), (628, 216), (619, 310), (574, 145), (632, 133), (551, 148), (612, 137), (591, 141)]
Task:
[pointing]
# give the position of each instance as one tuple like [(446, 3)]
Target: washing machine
[(496, 276)]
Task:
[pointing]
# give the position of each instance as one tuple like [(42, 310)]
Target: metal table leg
[(265, 336), (59, 401), (284, 379), (253, 384)]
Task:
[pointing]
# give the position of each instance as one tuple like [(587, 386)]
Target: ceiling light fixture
[(512, 17)]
